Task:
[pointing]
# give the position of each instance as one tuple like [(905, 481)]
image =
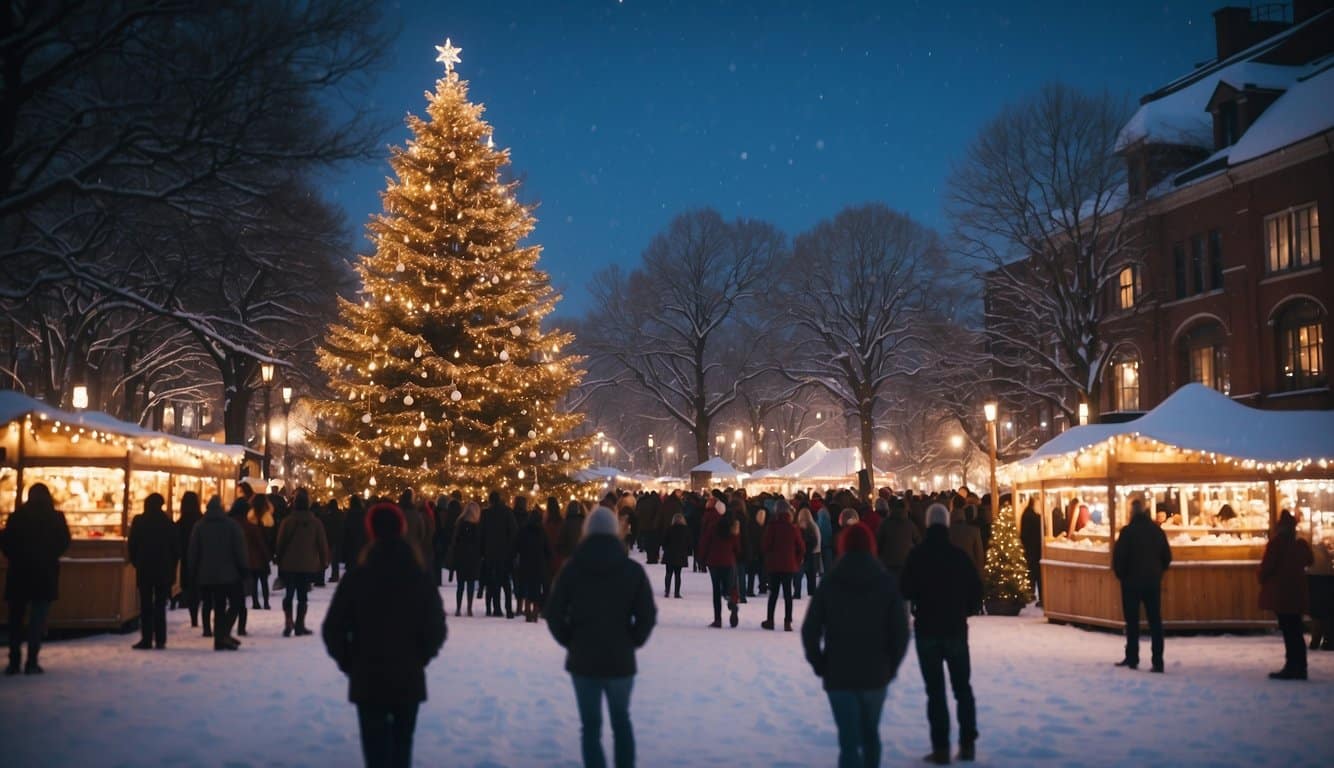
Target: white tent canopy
[(1197, 418), (836, 463), (798, 466), (719, 467)]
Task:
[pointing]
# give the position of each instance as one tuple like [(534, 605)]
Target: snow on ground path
[(1047, 695)]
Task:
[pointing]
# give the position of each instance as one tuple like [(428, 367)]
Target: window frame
[(1300, 327), (1288, 246), (1121, 364)]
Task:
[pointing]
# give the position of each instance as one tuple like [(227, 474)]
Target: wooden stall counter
[(96, 589)]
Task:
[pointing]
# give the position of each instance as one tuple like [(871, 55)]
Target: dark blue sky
[(620, 115)]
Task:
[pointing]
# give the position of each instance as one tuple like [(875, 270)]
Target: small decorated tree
[(1006, 588)]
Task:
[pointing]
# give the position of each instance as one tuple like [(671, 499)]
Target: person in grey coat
[(218, 557), (302, 555)]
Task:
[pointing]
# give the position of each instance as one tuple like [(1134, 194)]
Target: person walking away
[(218, 557), (828, 548), (238, 512), (720, 548), (333, 532), (783, 550), (966, 536), (601, 610), (498, 531), (944, 589), (675, 553), (752, 554), (895, 537), (35, 537), (354, 533), (1030, 536), (302, 553), (1139, 558), (453, 511), (533, 553), (571, 531), (810, 536), (385, 624), (855, 635), (1320, 587), (259, 548), (1283, 590), (185, 525), (154, 551), (551, 525), (646, 526), (465, 555)]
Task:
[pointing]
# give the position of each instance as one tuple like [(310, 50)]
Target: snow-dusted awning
[(805, 461), (720, 468)]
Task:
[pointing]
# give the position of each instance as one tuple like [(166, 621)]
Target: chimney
[(1232, 30), (1305, 9)]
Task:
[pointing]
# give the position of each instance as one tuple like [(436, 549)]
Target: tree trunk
[(867, 441), (701, 432), (235, 406)]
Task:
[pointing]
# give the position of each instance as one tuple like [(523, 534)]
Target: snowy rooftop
[(1305, 110)]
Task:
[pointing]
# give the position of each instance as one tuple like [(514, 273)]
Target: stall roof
[(719, 467), (1197, 418), (798, 466), (837, 462)]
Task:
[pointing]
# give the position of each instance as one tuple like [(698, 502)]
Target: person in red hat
[(385, 624)]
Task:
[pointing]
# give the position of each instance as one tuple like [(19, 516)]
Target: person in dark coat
[(302, 554), (855, 634), (944, 589), (601, 610), (533, 553), (185, 524), (35, 537), (465, 554), (675, 553), (333, 533), (784, 552), (719, 548), (385, 624), (752, 554), (240, 509), (552, 525), (154, 551), (896, 537), (218, 557), (453, 511), (1283, 590), (498, 531), (1030, 536), (354, 532), (261, 536), (646, 526), (571, 531), (1139, 558), (442, 529)]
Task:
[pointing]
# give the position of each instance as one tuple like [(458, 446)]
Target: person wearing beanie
[(302, 554), (218, 558), (1283, 590), (784, 551), (855, 635), (601, 610), (944, 589), (385, 623), (1139, 557), (154, 550)]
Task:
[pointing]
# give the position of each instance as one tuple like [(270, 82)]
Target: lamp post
[(266, 375), (989, 410), (736, 444), (671, 459), (956, 442), (653, 459), (287, 435), (80, 400)]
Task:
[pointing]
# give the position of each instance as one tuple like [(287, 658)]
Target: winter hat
[(214, 506), (781, 508), (602, 522), (937, 514), (385, 521), (856, 538)]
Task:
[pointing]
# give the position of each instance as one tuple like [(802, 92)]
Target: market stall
[(1215, 475), (100, 470)]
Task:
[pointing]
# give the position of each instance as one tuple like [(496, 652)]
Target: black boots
[(287, 621), (300, 628)]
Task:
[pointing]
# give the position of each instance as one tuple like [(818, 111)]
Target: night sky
[(620, 115)]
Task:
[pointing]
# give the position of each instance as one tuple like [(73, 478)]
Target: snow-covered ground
[(1047, 695)]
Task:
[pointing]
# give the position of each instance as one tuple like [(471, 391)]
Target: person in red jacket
[(1283, 591), (719, 547), (784, 550)]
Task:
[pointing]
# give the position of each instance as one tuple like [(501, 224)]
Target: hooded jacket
[(1282, 573), (1141, 554), (783, 548), (941, 583), (153, 548), (498, 532), (895, 538), (601, 609), (856, 630), (302, 547), (33, 540)]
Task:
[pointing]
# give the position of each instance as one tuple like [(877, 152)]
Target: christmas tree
[(442, 375), (1006, 570)]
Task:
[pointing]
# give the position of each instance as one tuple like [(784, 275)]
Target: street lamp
[(80, 397), (736, 443), (287, 432), (989, 410), (651, 457), (266, 375), (671, 458)]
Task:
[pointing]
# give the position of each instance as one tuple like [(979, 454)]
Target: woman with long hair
[(260, 530), (465, 555), (190, 514)]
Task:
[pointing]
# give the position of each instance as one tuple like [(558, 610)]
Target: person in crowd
[(420, 530), (240, 509), (1139, 558), (810, 536), (445, 531), (1320, 588), (828, 547), (551, 525), (302, 554), (982, 517), (675, 553), (354, 533), (944, 589), (464, 558), (693, 509), (646, 526), (218, 556), (498, 531), (1030, 537), (185, 525), (966, 536), (753, 519), (571, 531), (601, 610), (385, 623), (154, 551), (1283, 590), (720, 547), (333, 531), (35, 537), (533, 555), (784, 551), (1080, 520), (259, 520), (855, 635), (895, 537)]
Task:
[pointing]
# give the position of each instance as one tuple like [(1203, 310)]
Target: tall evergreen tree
[(442, 374)]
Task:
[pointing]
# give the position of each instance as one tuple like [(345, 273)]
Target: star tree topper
[(449, 55)]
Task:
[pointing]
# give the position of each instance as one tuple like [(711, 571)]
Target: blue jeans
[(857, 716), (588, 692), (934, 653)]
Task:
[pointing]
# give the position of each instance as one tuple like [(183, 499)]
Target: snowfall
[(1047, 695)]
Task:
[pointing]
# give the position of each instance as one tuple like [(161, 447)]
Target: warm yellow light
[(956, 441), (989, 409), (287, 395), (80, 397), (1083, 414), (884, 446)]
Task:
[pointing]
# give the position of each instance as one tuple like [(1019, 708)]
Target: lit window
[(1301, 343), (1292, 239), (1128, 287), (1205, 357), (1125, 383)]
